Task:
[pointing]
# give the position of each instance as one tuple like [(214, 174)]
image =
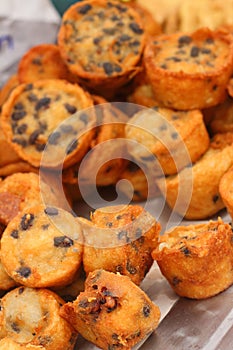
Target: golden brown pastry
[(120, 239), (7, 88), (190, 70), (197, 259), (29, 319), (112, 312), (198, 187), (226, 190)]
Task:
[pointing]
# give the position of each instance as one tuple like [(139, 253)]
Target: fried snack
[(189, 71), (20, 191), (29, 318), (222, 117), (204, 178), (144, 184), (42, 247), (120, 239), (226, 190), (112, 312), (42, 62), (102, 44), (151, 27), (9, 86), (143, 95), (197, 259), (209, 13), (175, 138), (33, 112)]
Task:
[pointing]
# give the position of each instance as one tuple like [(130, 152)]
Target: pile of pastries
[(63, 274)]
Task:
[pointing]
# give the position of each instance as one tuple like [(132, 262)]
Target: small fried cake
[(19, 191), (175, 138), (190, 70), (120, 239), (222, 117), (42, 247), (197, 259), (33, 113), (203, 178), (42, 62), (30, 319), (102, 43), (226, 190), (112, 312)]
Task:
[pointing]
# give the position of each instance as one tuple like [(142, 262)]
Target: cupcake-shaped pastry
[(42, 62), (42, 247), (29, 319), (31, 117), (203, 178), (102, 43), (197, 259), (190, 70), (112, 312)]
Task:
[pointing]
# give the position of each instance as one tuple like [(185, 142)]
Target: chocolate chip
[(134, 43), (194, 51), (215, 87), (121, 8), (146, 310), (108, 68), (185, 251), (84, 9), (174, 59), (54, 137), (124, 37), (34, 136), (21, 129), (45, 227), (15, 234), (175, 281), (37, 61), (40, 147), (135, 28), (43, 103), (175, 135), (72, 146), (18, 115), (109, 31), (51, 211), (205, 51), (109, 224), (20, 142), (28, 87), (66, 128), (15, 327), (63, 242), (215, 198), (184, 39), (70, 109), (130, 268), (115, 18), (97, 40), (21, 290), (26, 221), (18, 106), (32, 97), (24, 271)]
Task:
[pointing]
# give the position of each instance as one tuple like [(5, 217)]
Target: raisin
[(146, 310), (109, 224), (43, 103), (185, 251), (109, 31), (26, 221), (37, 61), (84, 9), (40, 147), (70, 109), (130, 268), (194, 51), (32, 97), (24, 271), (19, 105), (20, 142), (108, 68), (135, 28), (18, 115), (53, 138), (21, 129), (28, 87), (175, 281), (205, 51), (184, 39), (97, 40), (215, 198), (51, 211), (62, 242), (15, 327), (15, 234), (21, 290), (34, 136), (45, 227), (72, 146)]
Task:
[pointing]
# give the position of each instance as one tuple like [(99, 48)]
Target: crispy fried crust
[(222, 117), (226, 190), (197, 260), (30, 319), (42, 247), (112, 311), (204, 180), (9, 86), (121, 240), (190, 70), (35, 110), (101, 52), (175, 138), (42, 62)]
